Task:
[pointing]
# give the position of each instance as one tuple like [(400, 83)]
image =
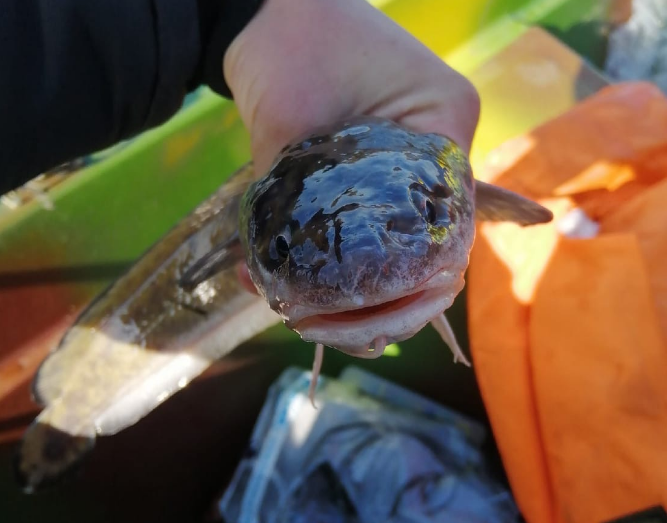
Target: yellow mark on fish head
[(439, 233), (455, 166)]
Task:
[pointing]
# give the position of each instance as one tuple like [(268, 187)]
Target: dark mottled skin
[(360, 210)]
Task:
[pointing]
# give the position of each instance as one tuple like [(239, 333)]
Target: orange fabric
[(569, 336)]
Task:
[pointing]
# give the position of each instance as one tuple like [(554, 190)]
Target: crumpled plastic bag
[(372, 452), (568, 331)]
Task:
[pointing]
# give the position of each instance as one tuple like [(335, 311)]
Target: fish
[(357, 237), (360, 237)]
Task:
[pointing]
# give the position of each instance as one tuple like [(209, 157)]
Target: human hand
[(300, 64)]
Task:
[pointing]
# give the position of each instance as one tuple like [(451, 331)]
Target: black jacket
[(79, 75)]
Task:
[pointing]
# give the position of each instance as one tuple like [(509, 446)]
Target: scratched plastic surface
[(52, 262)]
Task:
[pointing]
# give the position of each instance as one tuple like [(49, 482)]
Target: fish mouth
[(365, 331)]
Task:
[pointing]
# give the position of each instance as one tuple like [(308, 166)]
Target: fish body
[(141, 340), (358, 236)]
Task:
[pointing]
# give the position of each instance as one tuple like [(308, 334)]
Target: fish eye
[(424, 206), (430, 214), (282, 247)]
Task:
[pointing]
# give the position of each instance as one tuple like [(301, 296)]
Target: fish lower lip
[(397, 320), (355, 314), (296, 312)]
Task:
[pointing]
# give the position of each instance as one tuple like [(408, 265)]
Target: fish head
[(361, 231)]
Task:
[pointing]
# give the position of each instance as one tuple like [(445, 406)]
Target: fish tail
[(46, 454)]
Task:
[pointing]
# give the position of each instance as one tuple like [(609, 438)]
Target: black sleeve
[(79, 75)]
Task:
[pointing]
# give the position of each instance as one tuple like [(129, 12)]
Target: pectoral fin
[(496, 204), (221, 257)]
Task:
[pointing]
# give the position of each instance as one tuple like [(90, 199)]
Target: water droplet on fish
[(352, 131), (358, 300)]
